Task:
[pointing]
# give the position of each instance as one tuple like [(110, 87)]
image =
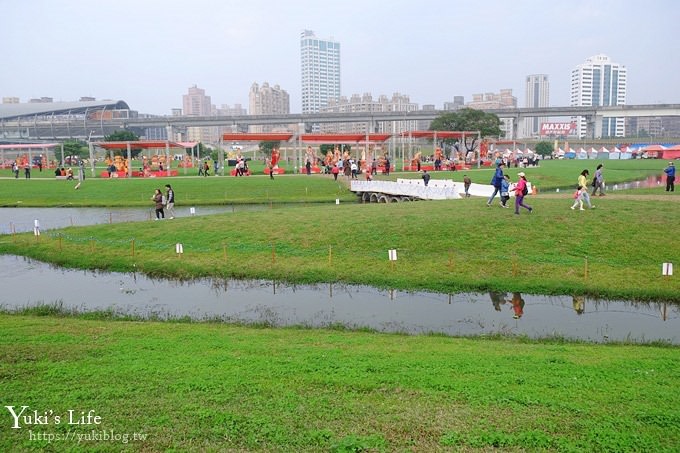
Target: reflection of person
[(157, 198), (170, 200), (497, 299), (579, 303), (517, 305), (467, 182), (496, 182), (670, 177)]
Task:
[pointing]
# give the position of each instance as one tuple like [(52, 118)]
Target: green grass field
[(615, 250), (184, 386), (214, 387), (44, 190)]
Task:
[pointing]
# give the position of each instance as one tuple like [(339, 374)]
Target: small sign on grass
[(667, 269)]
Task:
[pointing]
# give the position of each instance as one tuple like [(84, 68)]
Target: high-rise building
[(196, 103), (267, 100), (503, 100), (537, 95), (599, 82), (365, 103), (320, 65), (458, 103)]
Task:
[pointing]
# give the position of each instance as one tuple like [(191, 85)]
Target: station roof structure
[(31, 109), (29, 146)]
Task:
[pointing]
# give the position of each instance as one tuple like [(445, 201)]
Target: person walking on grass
[(426, 177), (670, 177), (157, 199), (467, 182), (583, 183), (505, 191), (578, 199), (598, 181), (521, 190), (496, 182), (170, 201)]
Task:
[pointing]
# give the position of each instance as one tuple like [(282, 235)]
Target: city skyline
[(431, 52)]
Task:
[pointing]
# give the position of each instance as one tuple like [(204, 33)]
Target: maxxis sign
[(558, 128)]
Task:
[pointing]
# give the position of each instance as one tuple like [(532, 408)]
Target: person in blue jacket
[(670, 177), (496, 182), (505, 191)]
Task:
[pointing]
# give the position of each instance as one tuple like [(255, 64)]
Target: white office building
[(320, 65), (599, 82)]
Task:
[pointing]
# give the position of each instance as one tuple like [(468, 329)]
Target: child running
[(578, 199)]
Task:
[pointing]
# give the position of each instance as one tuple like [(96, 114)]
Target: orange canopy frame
[(257, 137), (305, 138), (438, 134), (343, 138), (139, 144)]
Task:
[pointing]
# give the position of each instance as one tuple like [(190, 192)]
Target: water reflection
[(21, 220), (279, 304), (579, 304)]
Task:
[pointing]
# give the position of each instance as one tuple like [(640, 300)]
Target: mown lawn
[(215, 387), (615, 250)]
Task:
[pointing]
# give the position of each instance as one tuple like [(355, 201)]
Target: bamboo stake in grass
[(273, 253), (585, 270), (132, 247), (330, 255), (224, 248)]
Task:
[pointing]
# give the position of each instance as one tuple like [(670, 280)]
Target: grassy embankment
[(213, 387), (613, 251), (43, 190)]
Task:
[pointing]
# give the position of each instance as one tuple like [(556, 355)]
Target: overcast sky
[(149, 52)]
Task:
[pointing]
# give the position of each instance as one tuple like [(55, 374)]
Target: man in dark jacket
[(496, 182)]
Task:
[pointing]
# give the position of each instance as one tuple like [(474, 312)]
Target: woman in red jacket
[(521, 190)]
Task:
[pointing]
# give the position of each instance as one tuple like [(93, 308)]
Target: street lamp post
[(91, 149)]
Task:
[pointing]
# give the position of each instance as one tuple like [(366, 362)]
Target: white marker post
[(337, 201), (192, 211), (179, 249), (667, 269), (36, 227), (392, 255)]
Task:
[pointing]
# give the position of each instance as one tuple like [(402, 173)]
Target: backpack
[(525, 191)]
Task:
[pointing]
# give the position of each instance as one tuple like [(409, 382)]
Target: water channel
[(28, 283)]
